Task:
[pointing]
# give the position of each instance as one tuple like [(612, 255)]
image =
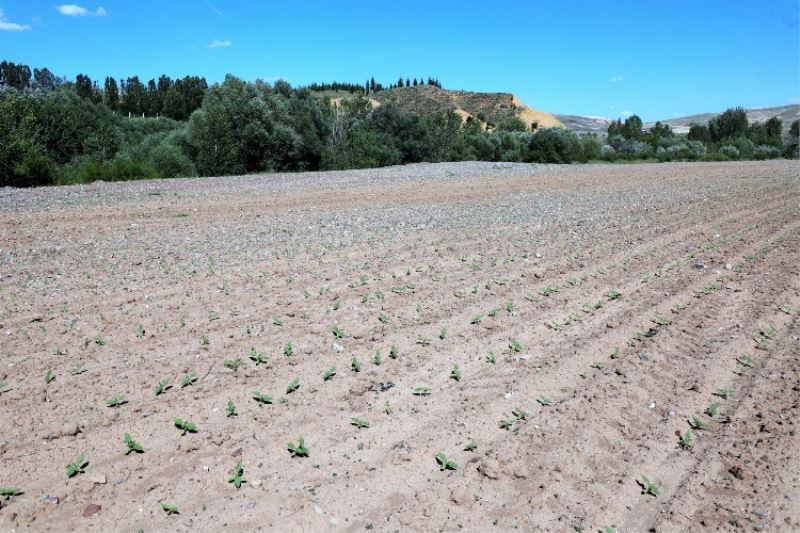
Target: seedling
[(445, 463), (598, 365), (338, 332), (299, 449), (443, 334), (185, 426), (384, 318), (359, 422), (615, 353), (519, 414), (423, 341), (132, 445), (77, 370), (236, 477), (544, 400), (288, 350), (77, 466), (613, 294), (3, 386), (117, 400), (421, 391), (355, 364), (100, 341), (9, 492), (387, 409), (507, 424), (163, 385), (648, 487), (698, 423), (661, 321), (169, 508), (231, 409), (471, 447), (140, 331), (293, 386), (491, 358), (455, 373), (329, 374), (687, 440), (510, 308), (394, 353), (189, 379), (258, 357), (724, 392), (233, 364), (747, 360), (204, 340), (49, 376), (265, 399), (514, 345), (376, 358), (712, 409), (477, 319)]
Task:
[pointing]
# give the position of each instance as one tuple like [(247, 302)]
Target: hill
[(585, 124), (786, 113), (486, 107)]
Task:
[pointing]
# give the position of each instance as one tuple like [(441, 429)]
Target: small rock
[(251, 504), (460, 496), (52, 499), (333, 520), (91, 509), (490, 468), (69, 429), (99, 479), (338, 348)]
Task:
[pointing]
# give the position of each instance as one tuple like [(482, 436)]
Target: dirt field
[(593, 313)]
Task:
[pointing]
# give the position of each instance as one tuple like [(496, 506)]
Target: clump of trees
[(55, 131)]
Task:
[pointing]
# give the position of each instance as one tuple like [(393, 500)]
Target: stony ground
[(592, 315)]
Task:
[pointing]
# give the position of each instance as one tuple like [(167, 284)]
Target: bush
[(766, 151), (36, 168), (121, 169), (554, 145), (591, 148), (729, 151), (364, 148)]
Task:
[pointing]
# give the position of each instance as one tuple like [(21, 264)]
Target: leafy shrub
[(364, 148), (120, 169), (765, 151), (554, 145), (729, 151), (36, 168)]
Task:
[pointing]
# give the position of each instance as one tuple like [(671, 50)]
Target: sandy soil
[(507, 271)]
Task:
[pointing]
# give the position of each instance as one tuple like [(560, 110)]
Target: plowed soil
[(594, 312)]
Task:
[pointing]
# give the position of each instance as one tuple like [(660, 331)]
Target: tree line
[(55, 131)]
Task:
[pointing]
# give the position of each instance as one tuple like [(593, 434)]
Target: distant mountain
[(583, 125), (786, 113), (486, 107)]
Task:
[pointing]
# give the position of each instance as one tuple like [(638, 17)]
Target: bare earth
[(515, 262)]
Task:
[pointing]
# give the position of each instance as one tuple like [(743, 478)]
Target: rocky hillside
[(486, 107)]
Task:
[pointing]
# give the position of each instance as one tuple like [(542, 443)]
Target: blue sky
[(657, 58)]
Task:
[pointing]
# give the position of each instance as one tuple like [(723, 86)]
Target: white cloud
[(74, 10), (626, 113), (7, 25), (617, 78), (216, 43)]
